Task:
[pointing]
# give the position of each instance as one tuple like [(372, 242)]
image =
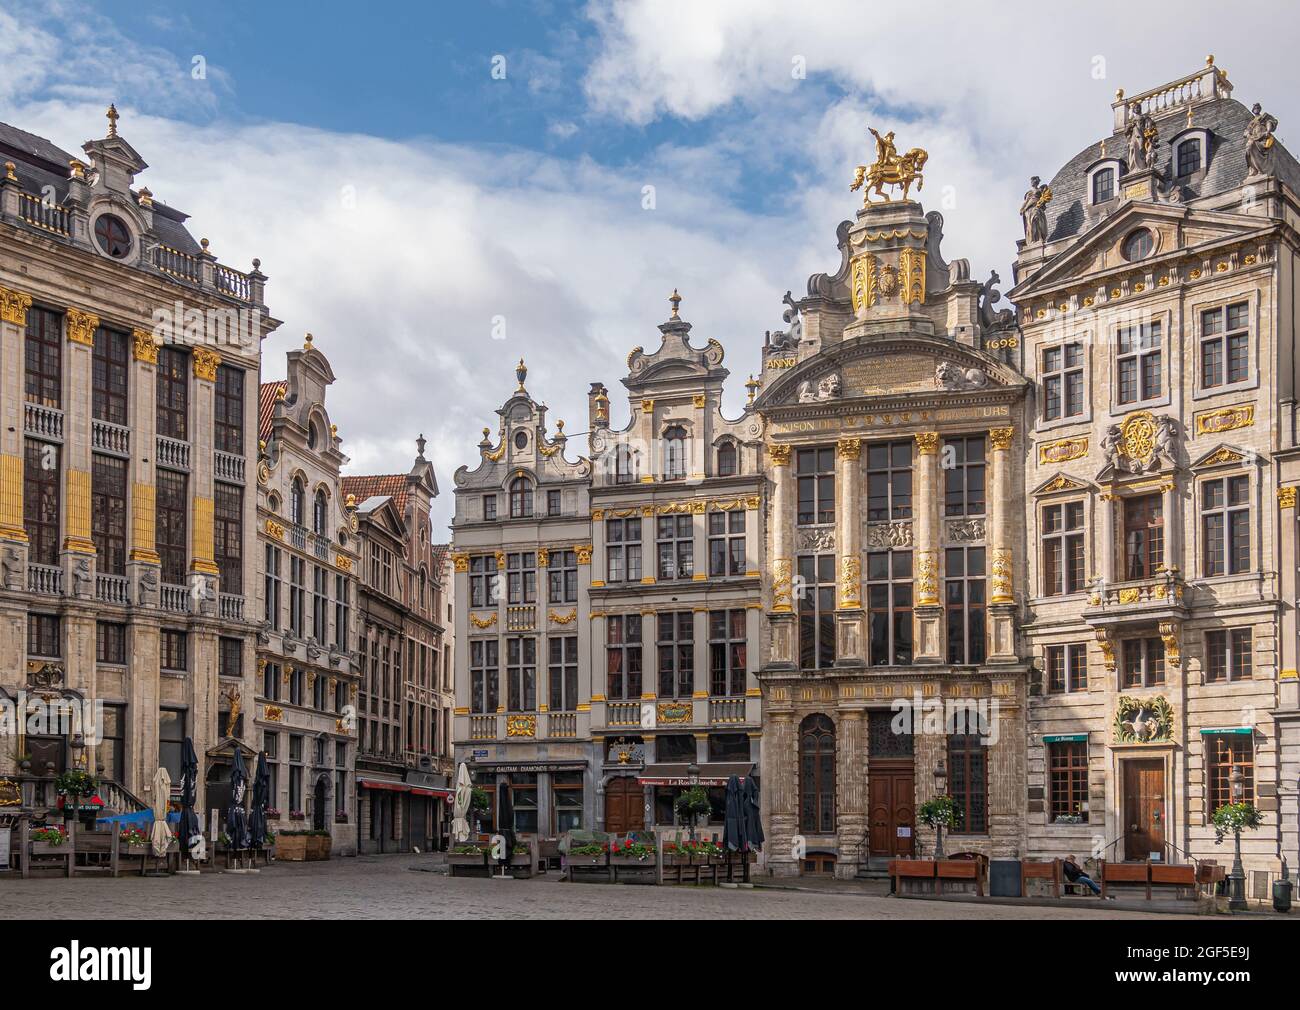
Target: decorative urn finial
[(112, 116), (676, 300), (521, 373), (420, 443)]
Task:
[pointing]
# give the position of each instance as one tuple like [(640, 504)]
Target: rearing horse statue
[(890, 168)]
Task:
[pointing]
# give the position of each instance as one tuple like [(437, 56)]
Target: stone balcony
[(1162, 597), (689, 714)]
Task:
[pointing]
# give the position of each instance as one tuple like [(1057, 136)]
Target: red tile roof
[(378, 485), (267, 393), (440, 552)]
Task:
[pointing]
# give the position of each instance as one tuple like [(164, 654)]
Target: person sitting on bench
[(1075, 875)]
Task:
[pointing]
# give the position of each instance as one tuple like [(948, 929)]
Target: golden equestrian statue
[(889, 168)]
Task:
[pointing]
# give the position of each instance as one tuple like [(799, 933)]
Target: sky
[(438, 189)]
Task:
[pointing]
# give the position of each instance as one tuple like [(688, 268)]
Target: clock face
[(113, 236)]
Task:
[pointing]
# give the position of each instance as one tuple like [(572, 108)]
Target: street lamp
[(1237, 882), (940, 774), (693, 780)]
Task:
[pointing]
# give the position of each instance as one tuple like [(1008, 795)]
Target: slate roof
[(384, 485), (1225, 118), (266, 395)]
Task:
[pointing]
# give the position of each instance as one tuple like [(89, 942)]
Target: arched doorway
[(624, 805), (320, 804)]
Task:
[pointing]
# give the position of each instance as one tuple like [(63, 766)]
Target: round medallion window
[(1139, 245), (113, 236), (521, 440)]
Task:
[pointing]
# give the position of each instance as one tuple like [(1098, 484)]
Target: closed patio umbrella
[(733, 827), (753, 812), (160, 835), (261, 793), (506, 820), (189, 832), (464, 800), (236, 819)]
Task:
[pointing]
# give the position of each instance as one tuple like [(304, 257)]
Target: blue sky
[(474, 199)]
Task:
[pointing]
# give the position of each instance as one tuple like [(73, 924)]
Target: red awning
[(713, 773), (394, 787), (442, 794)]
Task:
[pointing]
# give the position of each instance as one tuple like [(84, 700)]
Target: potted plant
[(72, 787), (587, 854), (47, 840), (939, 812), (677, 853), (691, 805), (629, 853), (132, 841), (319, 844), (291, 846), (468, 856)]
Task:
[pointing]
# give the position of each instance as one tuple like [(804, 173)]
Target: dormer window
[(727, 459), (521, 498), (675, 453), (1103, 185), (113, 236), (1189, 157), (1189, 152)]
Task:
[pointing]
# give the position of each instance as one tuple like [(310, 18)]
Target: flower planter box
[(318, 847), (291, 848), (49, 849), (460, 864), (596, 859)]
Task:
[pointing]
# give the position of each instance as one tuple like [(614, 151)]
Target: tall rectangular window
[(171, 740), (1062, 381), (562, 673), (623, 550), (1225, 525), (964, 595), (483, 675), (963, 463), (111, 752), (110, 364), (228, 536), (482, 580), (1139, 362), (727, 543), (1063, 568), (1144, 536), (1067, 668), (228, 410), (108, 513), (174, 648), (173, 380), (968, 782), (521, 577), (815, 472), (342, 611), (1225, 752), (562, 577), (43, 353), (110, 643), (273, 583), (41, 495), (623, 657), (727, 653), (271, 681), (297, 595), (295, 772), (1225, 345), (1144, 662), (676, 654), (675, 546), (1067, 764), (889, 480), (1227, 655), (44, 636), (171, 525), (320, 604), (521, 674), (817, 611), (889, 607)]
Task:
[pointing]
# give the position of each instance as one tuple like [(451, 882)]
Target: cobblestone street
[(387, 887)]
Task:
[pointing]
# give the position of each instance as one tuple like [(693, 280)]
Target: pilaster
[(848, 525), (928, 610), (1004, 507)]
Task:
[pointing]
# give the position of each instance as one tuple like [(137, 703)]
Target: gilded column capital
[(460, 561), (1000, 438), (927, 443), (143, 347), (778, 454), (14, 306), (849, 448), (206, 361), (82, 326), (1286, 497)]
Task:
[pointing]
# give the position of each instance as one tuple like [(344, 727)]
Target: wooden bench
[(961, 869), (95, 845), (1149, 875), (1050, 869), (910, 869)]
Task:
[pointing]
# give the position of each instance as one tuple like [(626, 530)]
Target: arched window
[(625, 465), (1139, 244), (675, 453), (1189, 157), (297, 502), (313, 436), (521, 498), (817, 775), (726, 459), (1103, 186), (319, 516)]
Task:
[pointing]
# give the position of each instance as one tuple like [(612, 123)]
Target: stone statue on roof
[(1141, 134), (1259, 141), (1033, 211)]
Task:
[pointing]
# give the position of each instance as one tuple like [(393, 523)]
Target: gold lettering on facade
[(1062, 451), (1214, 421)]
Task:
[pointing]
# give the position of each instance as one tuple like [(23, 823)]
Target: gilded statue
[(889, 168)]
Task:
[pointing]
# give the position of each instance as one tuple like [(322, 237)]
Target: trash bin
[(1004, 878)]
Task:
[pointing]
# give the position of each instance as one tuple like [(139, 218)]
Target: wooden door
[(892, 809), (624, 806), (1144, 809)]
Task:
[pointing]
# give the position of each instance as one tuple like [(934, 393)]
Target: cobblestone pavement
[(380, 887)]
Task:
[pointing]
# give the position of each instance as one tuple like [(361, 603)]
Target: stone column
[(1106, 548), (1171, 506), (780, 771), (700, 697), (927, 605), (143, 561), (649, 656), (781, 613), (848, 526), (1004, 512), (13, 533), (203, 567), (597, 559), (78, 554), (1288, 566), (851, 805)]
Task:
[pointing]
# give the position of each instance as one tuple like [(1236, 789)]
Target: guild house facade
[(128, 386), (1156, 291)]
